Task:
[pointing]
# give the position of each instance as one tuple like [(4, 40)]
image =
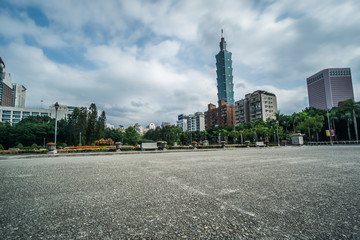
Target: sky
[(145, 61)]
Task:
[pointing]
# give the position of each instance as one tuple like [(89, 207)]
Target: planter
[(51, 147), (118, 146), (162, 144)]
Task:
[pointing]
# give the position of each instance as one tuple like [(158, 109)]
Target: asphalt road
[(267, 193)]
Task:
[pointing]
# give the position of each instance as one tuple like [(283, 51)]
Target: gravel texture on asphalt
[(256, 193)]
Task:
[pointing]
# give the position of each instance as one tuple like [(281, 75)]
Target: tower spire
[(222, 42)]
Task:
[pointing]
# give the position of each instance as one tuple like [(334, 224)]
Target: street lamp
[(56, 109), (327, 113), (277, 133)]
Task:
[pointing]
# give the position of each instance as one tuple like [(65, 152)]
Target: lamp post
[(328, 118), (56, 109), (277, 132)]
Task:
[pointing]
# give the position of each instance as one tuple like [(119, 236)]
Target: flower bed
[(130, 148), (208, 146), (80, 150), (83, 147), (235, 146), (179, 147)]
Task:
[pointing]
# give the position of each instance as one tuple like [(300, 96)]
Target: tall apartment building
[(196, 122), (329, 87), (259, 105), (191, 123), (224, 70), (5, 86), (222, 116), (242, 111)]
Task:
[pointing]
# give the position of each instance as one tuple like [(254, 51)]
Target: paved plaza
[(258, 193)]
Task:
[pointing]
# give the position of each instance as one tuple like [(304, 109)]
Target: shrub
[(34, 145), (104, 142), (209, 146), (179, 147), (1, 147), (130, 148), (34, 151), (19, 145)]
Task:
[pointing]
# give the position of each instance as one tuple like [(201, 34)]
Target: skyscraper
[(224, 115), (224, 73), (19, 95), (329, 87), (5, 86)]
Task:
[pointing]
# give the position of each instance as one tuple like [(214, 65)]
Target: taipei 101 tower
[(224, 73)]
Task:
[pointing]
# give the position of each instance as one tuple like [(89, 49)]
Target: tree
[(115, 134), (234, 135), (100, 125), (81, 125), (347, 116), (312, 124), (91, 124), (33, 129), (351, 107), (71, 130), (221, 133), (283, 120), (131, 136)]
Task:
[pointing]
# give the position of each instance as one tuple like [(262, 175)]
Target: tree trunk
[(309, 134), (348, 127), (274, 138), (355, 126), (317, 136)]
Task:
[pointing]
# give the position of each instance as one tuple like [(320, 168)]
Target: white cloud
[(147, 61), (19, 29), (166, 50)]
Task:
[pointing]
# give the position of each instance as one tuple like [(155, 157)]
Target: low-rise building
[(16, 114), (165, 124)]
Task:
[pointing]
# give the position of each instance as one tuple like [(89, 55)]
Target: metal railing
[(334, 142)]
